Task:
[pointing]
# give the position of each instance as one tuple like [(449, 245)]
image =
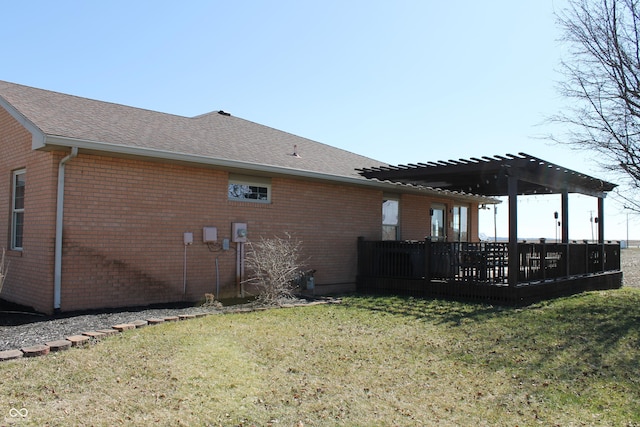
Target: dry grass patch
[(369, 361)]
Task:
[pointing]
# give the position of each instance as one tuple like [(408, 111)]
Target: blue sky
[(401, 82)]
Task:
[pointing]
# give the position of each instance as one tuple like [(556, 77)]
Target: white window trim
[(252, 181), (15, 211)]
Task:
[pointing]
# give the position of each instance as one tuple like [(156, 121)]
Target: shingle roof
[(211, 135)]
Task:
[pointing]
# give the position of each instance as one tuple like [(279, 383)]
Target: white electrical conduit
[(184, 273), (240, 269), (57, 273), (218, 280)]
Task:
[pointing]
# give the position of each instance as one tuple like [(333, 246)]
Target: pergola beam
[(487, 176)]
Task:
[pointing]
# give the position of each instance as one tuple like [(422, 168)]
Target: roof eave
[(37, 136), (58, 142)]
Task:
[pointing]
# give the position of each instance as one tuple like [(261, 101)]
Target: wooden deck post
[(360, 260), (427, 260)]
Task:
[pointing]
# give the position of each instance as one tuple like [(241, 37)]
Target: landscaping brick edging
[(81, 340)]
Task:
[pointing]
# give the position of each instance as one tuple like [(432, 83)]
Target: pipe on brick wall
[(57, 274)]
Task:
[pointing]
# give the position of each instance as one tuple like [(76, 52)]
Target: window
[(390, 218), (17, 209), (249, 189), (438, 227), (461, 223)]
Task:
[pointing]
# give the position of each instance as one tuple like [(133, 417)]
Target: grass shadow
[(440, 311), (569, 338)]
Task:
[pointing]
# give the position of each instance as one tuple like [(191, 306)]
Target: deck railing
[(544, 261), (483, 262)]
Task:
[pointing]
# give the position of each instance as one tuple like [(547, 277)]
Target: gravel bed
[(38, 329), (630, 264), (20, 329)]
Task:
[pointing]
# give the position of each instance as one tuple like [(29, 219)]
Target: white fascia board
[(142, 152), (37, 136)]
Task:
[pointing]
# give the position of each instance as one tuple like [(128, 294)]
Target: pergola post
[(601, 220), (514, 257), (601, 231), (565, 216)]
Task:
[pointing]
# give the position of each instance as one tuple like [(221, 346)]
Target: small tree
[(602, 81), (274, 268)]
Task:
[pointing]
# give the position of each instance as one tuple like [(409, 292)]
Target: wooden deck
[(480, 270)]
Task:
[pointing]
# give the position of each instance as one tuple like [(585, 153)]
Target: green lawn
[(368, 361)]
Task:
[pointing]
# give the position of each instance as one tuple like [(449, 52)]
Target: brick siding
[(30, 272), (124, 221)]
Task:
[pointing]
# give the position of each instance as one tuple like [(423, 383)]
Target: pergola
[(509, 175)]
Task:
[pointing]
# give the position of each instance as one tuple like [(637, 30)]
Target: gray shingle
[(211, 136)]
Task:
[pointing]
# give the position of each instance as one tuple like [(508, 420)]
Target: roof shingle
[(210, 136)]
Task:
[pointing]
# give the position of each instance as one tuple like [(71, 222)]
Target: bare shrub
[(210, 301), (274, 267), (3, 269)]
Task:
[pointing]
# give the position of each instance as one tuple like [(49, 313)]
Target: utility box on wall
[(239, 232), (187, 238), (209, 234)]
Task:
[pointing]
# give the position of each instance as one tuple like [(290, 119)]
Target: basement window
[(17, 208), (249, 189)]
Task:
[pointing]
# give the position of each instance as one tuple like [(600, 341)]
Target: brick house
[(99, 199)]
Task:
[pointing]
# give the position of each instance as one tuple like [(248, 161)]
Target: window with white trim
[(249, 189), (18, 184), (390, 218)]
